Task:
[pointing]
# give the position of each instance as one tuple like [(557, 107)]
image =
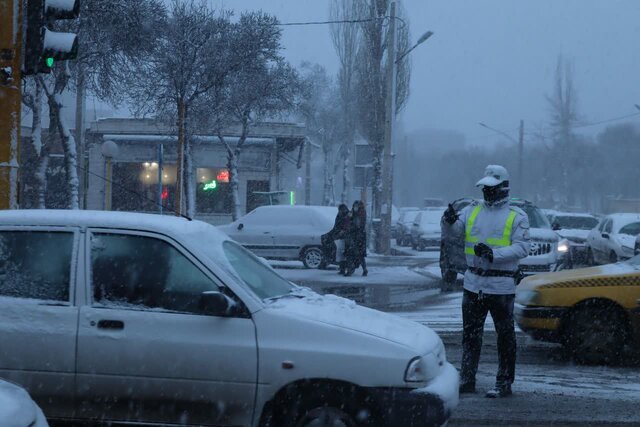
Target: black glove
[(483, 251), (450, 216)]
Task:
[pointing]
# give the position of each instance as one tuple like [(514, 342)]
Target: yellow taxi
[(593, 311)]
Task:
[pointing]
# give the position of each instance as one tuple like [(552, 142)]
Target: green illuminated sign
[(210, 185), (292, 198), (49, 61)]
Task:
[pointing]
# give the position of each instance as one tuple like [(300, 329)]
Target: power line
[(615, 119), (342, 21)]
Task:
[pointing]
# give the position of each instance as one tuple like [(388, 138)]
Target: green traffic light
[(49, 61)]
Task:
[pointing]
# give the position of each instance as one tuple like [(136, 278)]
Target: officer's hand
[(483, 251), (450, 216)]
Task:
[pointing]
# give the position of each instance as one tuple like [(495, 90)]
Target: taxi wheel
[(312, 258), (595, 335), (613, 258)]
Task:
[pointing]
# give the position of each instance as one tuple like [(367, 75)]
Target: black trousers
[(474, 314)]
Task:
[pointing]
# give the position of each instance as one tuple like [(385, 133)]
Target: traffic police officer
[(496, 238)]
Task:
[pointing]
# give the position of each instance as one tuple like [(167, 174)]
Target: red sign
[(165, 194), (223, 176)]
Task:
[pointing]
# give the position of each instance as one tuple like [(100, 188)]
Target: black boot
[(499, 391), (467, 388)]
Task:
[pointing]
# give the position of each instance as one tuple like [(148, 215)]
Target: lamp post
[(383, 236), (520, 142)]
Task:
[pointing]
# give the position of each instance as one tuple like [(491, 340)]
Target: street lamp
[(520, 143), (423, 38), (383, 231)]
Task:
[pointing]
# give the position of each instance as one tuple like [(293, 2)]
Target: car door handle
[(110, 324)]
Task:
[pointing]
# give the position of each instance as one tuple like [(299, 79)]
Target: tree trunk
[(41, 179), (69, 147), (189, 179), (232, 166), (180, 166), (326, 191), (346, 178), (42, 155)]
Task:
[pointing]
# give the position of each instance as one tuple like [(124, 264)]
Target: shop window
[(135, 186), (213, 191)]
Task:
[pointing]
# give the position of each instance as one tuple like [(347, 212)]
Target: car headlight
[(415, 372), (563, 246), (527, 297)]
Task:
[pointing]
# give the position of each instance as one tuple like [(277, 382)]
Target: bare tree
[(563, 118), (346, 37), (370, 88), (32, 98)]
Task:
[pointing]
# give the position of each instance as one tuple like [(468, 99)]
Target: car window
[(602, 222), (36, 264), (143, 272), (631, 229), (536, 218), (608, 226), (575, 222), (431, 217), (418, 219), (260, 278)]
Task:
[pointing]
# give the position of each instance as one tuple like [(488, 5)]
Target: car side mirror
[(556, 226), (605, 235), (214, 303), (240, 226)]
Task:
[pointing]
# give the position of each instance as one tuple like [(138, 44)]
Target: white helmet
[(493, 175)]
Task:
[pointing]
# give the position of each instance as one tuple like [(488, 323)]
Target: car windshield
[(576, 222), (258, 276), (431, 217), (631, 229), (536, 218)]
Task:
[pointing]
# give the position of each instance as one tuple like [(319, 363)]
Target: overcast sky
[(494, 60)]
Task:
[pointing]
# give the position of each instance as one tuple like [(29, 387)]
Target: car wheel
[(312, 258), (422, 247), (326, 416), (595, 335), (613, 258)]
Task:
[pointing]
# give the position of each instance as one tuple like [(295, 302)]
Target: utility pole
[(383, 236), (80, 134), (521, 159), (10, 99), (307, 181)]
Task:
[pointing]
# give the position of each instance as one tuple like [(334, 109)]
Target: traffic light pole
[(10, 99)]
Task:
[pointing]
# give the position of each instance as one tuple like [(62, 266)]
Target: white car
[(425, 230), (405, 222), (543, 252), (136, 319), (613, 239), (284, 232), (17, 409), (573, 229)]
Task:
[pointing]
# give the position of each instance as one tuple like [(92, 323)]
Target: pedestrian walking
[(356, 242), (332, 242), (496, 238)]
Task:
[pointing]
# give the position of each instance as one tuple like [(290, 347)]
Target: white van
[(135, 318)]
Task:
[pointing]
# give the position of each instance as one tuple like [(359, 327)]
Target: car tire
[(312, 258), (422, 247), (595, 334), (326, 416), (613, 257)]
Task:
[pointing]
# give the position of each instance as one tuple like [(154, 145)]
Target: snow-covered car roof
[(622, 219), (572, 214), (17, 409), (165, 224), (326, 213)]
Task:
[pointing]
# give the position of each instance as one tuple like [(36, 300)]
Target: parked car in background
[(284, 232), (573, 229), (594, 312), (425, 230), (17, 409), (136, 319), (405, 222), (613, 239), (543, 254)]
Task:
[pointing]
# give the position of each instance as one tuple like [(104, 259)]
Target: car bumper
[(428, 406), (542, 323)]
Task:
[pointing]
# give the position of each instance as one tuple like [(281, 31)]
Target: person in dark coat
[(333, 241), (356, 242)]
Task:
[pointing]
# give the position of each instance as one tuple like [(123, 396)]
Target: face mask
[(495, 194)]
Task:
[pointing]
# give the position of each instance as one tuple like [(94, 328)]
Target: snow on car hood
[(344, 313), (543, 234), (580, 273), (573, 233), (17, 409)]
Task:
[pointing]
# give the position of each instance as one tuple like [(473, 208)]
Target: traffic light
[(42, 46)]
